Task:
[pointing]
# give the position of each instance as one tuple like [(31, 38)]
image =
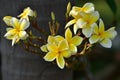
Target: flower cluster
[(59, 47), (85, 32), (17, 28), (85, 18)]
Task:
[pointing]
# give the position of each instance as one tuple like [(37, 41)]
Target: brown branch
[(35, 25)]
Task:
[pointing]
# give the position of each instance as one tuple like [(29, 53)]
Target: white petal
[(93, 39), (8, 29), (75, 28), (111, 33), (7, 20), (107, 43), (23, 35), (87, 31), (94, 17), (15, 22), (88, 7), (95, 28), (24, 24), (80, 23), (10, 32), (75, 12), (14, 40), (70, 23)]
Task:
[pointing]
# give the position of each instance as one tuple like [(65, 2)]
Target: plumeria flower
[(7, 20), (26, 13), (86, 22), (83, 18), (57, 51), (73, 42), (75, 12), (17, 31), (87, 8), (51, 40), (102, 36)]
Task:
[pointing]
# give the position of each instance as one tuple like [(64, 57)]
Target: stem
[(35, 25)]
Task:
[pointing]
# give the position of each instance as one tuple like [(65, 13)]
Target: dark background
[(104, 63)]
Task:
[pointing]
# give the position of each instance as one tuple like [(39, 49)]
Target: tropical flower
[(86, 23), (17, 31), (102, 36), (87, 8), (7, 20), (57, 51), (75, 12), (73, 42), (51, 40), (26, 13), (83, 18)]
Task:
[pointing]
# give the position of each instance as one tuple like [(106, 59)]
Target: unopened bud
[(68, 7), (53, 16)]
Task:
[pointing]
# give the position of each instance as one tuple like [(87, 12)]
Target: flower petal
[(24, 24), (93, 17), (15, 40), (15, 22), (51, 39), (75, 12), (75, 29), (111, 33), (68, 7), (10, 37), (23, 35), (95, 28), (7, 20), (63, 45), (101, 26), (107, 43), (70, 23), (10, 33), (50, 56), (80, 23), (8, 29), (52, 47), (60, 61), (76, 40), (73, 49), (68, 34), (44, 48), (59, 38), (66, 53), (87, 31), (93, 39), (27, 12), (88, 8)]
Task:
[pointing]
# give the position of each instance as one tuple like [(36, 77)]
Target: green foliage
[(112, 5)]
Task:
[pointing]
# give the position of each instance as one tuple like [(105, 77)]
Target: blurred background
[(104, 63)]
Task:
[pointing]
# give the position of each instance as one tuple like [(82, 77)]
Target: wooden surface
[(18, 64)]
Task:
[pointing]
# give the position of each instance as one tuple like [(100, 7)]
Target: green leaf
[(112, 5)]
